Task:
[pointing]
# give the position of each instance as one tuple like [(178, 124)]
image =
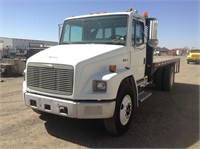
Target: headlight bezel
[(99, 86)]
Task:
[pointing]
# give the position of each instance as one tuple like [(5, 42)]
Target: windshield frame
[(116, 41)]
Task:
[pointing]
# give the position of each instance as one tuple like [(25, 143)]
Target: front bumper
[(193, 59), (68, 108)]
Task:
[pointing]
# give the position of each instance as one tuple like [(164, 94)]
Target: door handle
[(144, 62)]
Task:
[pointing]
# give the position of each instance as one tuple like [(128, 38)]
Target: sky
[(179, 20)]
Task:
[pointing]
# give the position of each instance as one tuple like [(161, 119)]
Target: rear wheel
[(168, 78), (159, 79), (120, 122)]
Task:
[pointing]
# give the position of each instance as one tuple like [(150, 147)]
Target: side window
[(99, 34), (103, 33), (139, 32), (108, 32)]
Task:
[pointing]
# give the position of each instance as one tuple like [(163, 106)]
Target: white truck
[(99, 70)]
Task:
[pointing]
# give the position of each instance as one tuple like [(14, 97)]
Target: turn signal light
[(112, 68)]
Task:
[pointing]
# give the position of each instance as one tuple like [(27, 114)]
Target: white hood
[(72, 54)]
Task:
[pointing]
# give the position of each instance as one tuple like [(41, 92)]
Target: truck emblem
[(52, 57), (47, 66), (125, 60)]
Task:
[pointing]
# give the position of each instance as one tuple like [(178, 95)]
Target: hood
[(72, 53)]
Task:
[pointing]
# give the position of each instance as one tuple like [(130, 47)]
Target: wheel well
[(130, 81)]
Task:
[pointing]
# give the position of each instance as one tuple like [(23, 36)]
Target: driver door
[(138, 50)]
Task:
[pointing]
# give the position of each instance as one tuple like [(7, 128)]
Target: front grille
[(50, 78)]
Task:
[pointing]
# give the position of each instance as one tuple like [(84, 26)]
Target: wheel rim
[(125, 110)]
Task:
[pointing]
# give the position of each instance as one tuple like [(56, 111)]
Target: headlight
[(99, 86)]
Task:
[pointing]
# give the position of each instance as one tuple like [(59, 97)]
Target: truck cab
[(99, 70)]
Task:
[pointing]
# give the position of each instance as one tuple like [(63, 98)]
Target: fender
[(114, 80)]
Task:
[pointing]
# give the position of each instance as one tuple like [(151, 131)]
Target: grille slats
[(56, 80)]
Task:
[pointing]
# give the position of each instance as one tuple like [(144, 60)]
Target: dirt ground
[(165, 120)]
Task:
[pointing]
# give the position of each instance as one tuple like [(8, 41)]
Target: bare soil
[(165, 120)]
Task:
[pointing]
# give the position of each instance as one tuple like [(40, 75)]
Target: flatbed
[(160, 61)]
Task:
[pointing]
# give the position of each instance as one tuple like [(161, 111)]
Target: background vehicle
[(194, 56), (99, 70)]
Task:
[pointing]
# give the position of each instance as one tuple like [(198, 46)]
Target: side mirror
[(152, 32), (153, 43)]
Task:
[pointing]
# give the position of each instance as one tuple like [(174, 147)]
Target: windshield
[(195, 51), (102, 30)]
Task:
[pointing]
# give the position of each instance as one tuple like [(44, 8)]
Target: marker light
[(145, 14), (112, 68)]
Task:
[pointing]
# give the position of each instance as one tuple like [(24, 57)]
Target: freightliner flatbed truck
[(99, 70)]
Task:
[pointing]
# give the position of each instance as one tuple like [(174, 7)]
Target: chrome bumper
[(69, 108)]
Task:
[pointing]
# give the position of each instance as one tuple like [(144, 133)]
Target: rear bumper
[(68, 108)]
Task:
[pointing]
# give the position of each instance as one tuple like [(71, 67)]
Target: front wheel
[(120, 122)]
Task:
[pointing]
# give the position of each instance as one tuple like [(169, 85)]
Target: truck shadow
[(165, 120)]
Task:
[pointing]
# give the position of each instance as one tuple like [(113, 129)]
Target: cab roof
[(129, 13)]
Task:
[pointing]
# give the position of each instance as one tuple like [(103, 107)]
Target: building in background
[(1, 50), (10, 47), (173, 52)]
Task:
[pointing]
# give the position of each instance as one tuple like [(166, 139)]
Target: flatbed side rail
[(169, 61)]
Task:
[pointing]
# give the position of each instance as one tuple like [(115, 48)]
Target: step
[(144, 95)]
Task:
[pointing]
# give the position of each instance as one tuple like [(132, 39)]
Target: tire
[(168, 78), (159, 79), (121, 120)]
